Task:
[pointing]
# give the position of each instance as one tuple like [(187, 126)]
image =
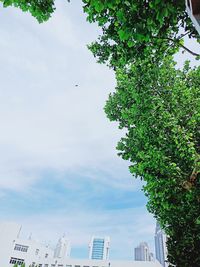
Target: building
[(99, 248), (142, 252), (160, 246), (193, 10), (151, 256), (99, 263), (62, 249), (14, 249)]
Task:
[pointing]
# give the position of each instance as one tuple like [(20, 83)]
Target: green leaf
[(99, 6), (123, 35)]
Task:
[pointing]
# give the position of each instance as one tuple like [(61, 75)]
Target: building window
[(46, 255), (37, 251), (16, 261), (68, 265), (46, 265), (60, 265), (21, 248), (40, 265)]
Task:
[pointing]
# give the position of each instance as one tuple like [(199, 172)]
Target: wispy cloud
[(59, 171), (47, 122)]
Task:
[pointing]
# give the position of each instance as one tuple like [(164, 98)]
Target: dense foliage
[(159, 107), (40, 9), (138, 29), (23, 265)]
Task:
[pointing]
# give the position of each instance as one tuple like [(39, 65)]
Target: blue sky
[(59, 170)]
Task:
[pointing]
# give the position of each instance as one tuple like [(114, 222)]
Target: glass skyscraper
[(99, 248)]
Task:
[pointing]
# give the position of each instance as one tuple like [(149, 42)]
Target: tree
[(159, 106), (40, 9), (138, 29), (131, 29)]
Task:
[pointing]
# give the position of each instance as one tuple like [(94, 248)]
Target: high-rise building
[(99, 248), (151, 256), (62, 249), (160, 245), (16, 250), (142, 252)]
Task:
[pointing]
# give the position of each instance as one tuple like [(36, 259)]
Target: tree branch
[(193, 177), (182, 35), (184, 47), (196, 170)]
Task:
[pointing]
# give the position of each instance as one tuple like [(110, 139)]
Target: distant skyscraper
[(99, 248), (151, 256), (62, 248), (160, 246), (142, 252)]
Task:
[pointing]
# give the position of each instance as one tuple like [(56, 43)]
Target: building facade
[(142, 252), (160, 246), (99, 248), (62, 249), (99, 263), (193, 10), (15, 250)]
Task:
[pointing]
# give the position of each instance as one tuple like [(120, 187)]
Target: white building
[(100, 263), (193, 10), (142, 252), (99, 248), (63, 248), (13, 250), (160, 246)]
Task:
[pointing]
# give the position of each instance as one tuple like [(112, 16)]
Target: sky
[(59, 169)]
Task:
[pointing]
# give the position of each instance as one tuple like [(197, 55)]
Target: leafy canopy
[(159, 106), (137, 29), (40, 9)]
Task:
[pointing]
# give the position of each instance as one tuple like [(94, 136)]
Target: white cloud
[(47, 122)]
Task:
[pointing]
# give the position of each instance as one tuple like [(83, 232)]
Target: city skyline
[(17, 250), (64, 248)]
